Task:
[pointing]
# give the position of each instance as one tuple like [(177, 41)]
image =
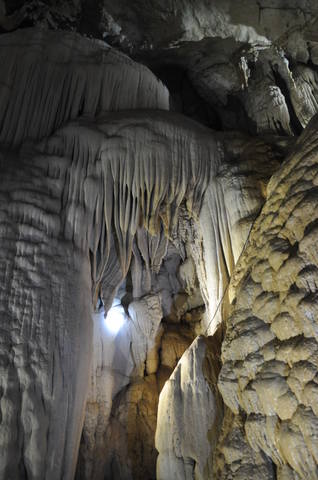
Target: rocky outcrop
[(255, 72), (106, 196), (190, 415), (57, 233), (270, 348), (75, 76)]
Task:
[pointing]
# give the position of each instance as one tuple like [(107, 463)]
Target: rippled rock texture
[(47, 277), (188, 422), (112, 200), (74, 193), (269, 353), (254, 63)]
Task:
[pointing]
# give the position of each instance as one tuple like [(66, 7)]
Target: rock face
[(257, 59), (75, 77), (190, 415), (45, 322), (130, 451), (112, 366), (94, 207), (54, 219), (231, 203), (270, 348), (254, 64), (114, 203), (235, 458)]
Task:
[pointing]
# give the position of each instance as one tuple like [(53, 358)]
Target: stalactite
[(51, 78), (127, 181), (101, 185)]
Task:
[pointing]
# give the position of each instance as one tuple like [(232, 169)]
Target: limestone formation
[(231, 203), (158, 177), (269, 352), (75, 78), (55, 219), (235, 458), (188, 421), (110, 372)]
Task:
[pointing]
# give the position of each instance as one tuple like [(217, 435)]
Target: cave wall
[(47, 231), (45, 327), (189, 423), (105, 192), (269, 351), (81, 187)]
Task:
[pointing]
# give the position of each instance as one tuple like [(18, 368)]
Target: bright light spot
[(116, 317)]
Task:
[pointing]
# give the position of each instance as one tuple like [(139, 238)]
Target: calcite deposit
[(158, 240), (188, 422), (270, 348)]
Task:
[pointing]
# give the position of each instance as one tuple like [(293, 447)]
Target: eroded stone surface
[(190, 415), (270, 349), (171, 270), (58, 242), (253, 63), (75, 77), (235, 458), (89, 198)]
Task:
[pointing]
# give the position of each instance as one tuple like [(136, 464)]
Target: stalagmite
[(186, 420)]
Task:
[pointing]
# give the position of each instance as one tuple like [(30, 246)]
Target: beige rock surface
[(270, 349), (189, 415), (130, 452), (93, 191), (231, 203)]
